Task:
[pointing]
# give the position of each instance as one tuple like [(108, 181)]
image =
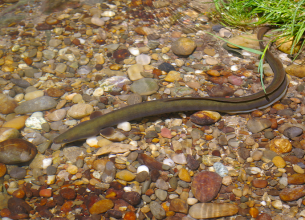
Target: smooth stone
[(157, 210), (37, 104), (143, 59), (280, 145), (109, 172), (293, 132), (296, 70), (206, 185), (17, 122), (183, 46), (18, 173), (220, 169), (134, 72), (291, 194), (184, 175), (259, 183), (145, 86), (101, 206), (166, 67), (179, 158), (7, 104), (178, 205), (212, 210), (256, 125), (115, 148), (205, 117), (162, 184), (57, 115), (8, 133), (15, 151), (125, 175), (80, 110), (279, 162), (172, 76), (33, 95), (249, 40), (161, 194), (72, 153), (150, 162), (296, 179)]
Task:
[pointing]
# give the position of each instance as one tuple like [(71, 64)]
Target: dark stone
[(166, 67), (133, 198)]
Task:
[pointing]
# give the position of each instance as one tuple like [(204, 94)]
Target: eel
[(274, 92)]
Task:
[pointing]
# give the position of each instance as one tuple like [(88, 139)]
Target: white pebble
[(125, 126), (127, 189), (92, 141), (191, 201), (97, 21), (46, 162), (98, 92), (234, 68), (142, 168), (173, 196), (143, 59), (134, 51), (35, 121), (133, 143), (108, 14), (51, 179), (169, 162)]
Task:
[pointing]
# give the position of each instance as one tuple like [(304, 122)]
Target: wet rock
[(264, 216), (256, 125), (55, 92), (192, 163), (2, 169), (161, 194), (183, 46), (80, 110), (134, 72), (68, 193), (35, 105), (145, 86), (279, 162), (115, 148), (8, 133), (220, 91), (15, 151), (132, 198), (157, 210), (293, 132), (166, 67), (19, 206), (17, 122), (296, 70), (291, 194), (7, 104), (125, 175), (245, 41), (179, 158), (205, 117), (150, 162), (109, 172), (178, 205), (184, 175), (259, 183), (280, 145), (72, 153), (206, 185), (57, 115), (296, 179), (120, 55), (212, 210), (18, 173), (101, 206)]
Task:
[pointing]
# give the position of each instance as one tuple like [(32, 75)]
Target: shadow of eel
[(274, 92)]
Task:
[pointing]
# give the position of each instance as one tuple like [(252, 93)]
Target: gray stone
[(157, 210), (256, 125), (72, 153), (145, 86), (38, 104)]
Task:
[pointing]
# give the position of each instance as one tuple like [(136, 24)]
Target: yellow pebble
[(184, 175), (298, 169), (279, 162)]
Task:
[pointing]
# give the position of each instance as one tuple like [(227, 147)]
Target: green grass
[(287, 16)]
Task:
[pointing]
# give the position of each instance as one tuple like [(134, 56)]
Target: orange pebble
[(170, 213), (209, 137), (19, 193), (2, 169), (253, 212), (5, 212), (130, 216), (111, 195)]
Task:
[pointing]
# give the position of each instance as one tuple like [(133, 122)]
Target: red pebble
[(45, 193), (130, 216), (165, 132)]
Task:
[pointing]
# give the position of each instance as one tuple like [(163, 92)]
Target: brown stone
[(55, 92), (101, 206), (150, 162), (260, 183), (264, 216), (68, 193), (178, 205), (206, 185), (132, 198), (120, 55), (2, 169), (280, 145), (296, 179), (212, 210), (291, 194), (7, 104), (205, 117), (14, 151)]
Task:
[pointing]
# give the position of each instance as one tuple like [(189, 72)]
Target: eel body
[(275, 91)]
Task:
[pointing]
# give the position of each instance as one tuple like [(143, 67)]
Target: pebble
[(143, 59), (259, 183), (125, 175), (183, 46), (220, 169), (157, 210), (296, 179), (184, 175), (178, 205), (179, 158), (101, 206), (35, 121), (8, 104), (80, 110), (249, 41), (161, 194), (206, 185), (293, 132), (134, 72), (114, 148), (35, 105), (172, 76), (8, 133), (14, 151), (18, 173), (212, 210), (145, 86), (291, 194), (280, 145), (256, 125), (57, 115), (279, 162)]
